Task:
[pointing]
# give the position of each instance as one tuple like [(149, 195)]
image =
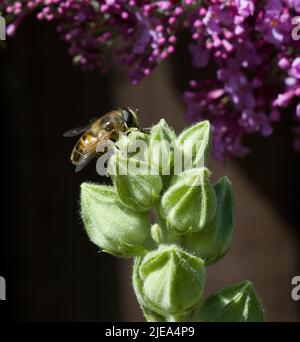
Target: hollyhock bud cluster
[(174, 225), (250, 45)]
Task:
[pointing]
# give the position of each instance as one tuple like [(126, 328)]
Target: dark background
[(53, 272)]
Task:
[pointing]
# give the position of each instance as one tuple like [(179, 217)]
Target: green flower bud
[(194, 144), (190, 202), (169, 281), (133, 145), (152, 316), (213, 241), (236, 303), (157, 233), (111, 226), (160, 153), (136, 186)]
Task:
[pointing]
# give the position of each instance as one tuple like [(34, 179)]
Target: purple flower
[(284, 99), (297, 5), (298, 111), (295, 68), (245, 8), (274, 23)]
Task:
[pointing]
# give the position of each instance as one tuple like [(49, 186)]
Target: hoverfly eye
[(128, 117)]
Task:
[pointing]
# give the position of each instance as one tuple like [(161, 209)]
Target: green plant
[(191, 225)]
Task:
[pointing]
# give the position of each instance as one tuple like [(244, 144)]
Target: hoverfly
[(100, 131)]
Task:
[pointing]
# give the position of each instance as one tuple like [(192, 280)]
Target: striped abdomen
[(86, 144)]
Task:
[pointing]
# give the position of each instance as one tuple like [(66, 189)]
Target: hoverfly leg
[(146, 130)]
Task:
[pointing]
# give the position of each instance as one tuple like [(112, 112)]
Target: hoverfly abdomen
[(87, 143)]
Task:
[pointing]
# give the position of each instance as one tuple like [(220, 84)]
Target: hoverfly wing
[(76, 131), (84, 160)]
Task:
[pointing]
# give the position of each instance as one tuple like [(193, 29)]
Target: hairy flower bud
[(111, 226), (236, 303), (194, 144), (133, 145), (213, 241), (157, 233), (160, 152), (169, 281), (136, 186), (190, 202)]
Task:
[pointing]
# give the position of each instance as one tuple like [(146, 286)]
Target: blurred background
[(53, 272)]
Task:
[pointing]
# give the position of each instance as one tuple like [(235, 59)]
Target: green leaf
[(111, 226), (236, 303), (190, 202), (213, 241)]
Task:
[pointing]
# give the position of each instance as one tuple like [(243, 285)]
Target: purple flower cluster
[(257, 68), (247, 43), (141, 33)]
